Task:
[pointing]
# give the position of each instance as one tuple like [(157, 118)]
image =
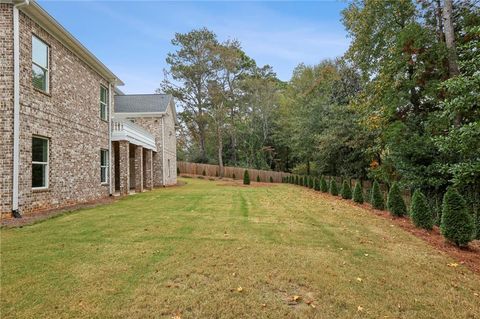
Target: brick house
[(62, 139)]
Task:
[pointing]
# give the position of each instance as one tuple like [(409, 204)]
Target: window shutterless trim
[(104, 103), (47, 168), (106, 166), (46, 70)]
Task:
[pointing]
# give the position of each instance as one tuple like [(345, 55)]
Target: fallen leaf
[(359, 308), (359, 279), (476, 294), (264, 305), (313, 306), (366, 255), (296, 298), (239, 289), (453, 265)]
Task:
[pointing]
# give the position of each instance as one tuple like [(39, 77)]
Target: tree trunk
[(450, 38)]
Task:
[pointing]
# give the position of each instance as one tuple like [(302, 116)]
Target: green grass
[(185, 250)]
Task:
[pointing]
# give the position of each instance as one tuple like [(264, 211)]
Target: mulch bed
[(468, 256)]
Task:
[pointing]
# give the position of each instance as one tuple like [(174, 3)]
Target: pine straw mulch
[(468, 256)]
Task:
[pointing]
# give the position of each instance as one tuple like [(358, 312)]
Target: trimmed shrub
[(204, 173), (358, 193), (420, 212), (346, 190), (457, 224), (377, 197), (316, 184), (333, 187), (271, 179), (395, 203), (246, 178), (258, 178), (323, 185)]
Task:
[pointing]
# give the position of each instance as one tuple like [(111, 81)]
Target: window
[(103, 103), (39, 162), (104, 166), (40, 70)]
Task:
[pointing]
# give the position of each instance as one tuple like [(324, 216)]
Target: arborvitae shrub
[(204, 173), (395, 203), (346, 190), (233, 176), (420, 212), (316, 184), (296, 180), (323, 185), (312, 182), (377, 197), (333, 187), (358, 193), (271, 179), (246, 178), (457, 224), (178, 171)]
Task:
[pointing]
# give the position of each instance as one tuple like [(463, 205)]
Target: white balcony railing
[(125, 130)]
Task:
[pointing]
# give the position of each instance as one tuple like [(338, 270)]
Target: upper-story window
[(40, 65), (103, 103)]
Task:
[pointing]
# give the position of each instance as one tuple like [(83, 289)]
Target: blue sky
[(133, 37)]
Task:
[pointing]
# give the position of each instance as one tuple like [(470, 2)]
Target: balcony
[(124, 130)]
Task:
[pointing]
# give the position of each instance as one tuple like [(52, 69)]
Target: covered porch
[(133, 150)]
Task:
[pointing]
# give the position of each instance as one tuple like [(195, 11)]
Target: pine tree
[(323, 185), (457, 224), (358, 193), (420, 212), (346, 190), (246, 178), (333, 187), (316, 184), (377, 197), (395, 203)]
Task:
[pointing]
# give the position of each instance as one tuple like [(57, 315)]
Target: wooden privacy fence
[(213, 170)]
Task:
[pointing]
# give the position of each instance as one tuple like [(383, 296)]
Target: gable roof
[(142, 103)]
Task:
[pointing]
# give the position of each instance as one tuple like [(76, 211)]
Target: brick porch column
[(148, 171), (124, 166), (138, 169), (112, 169)]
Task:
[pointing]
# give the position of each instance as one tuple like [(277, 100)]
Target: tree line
[(402, 105)]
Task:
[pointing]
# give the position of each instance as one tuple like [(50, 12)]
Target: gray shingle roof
[(141, 103)]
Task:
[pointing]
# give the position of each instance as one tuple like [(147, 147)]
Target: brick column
[(124, 166), (138, 169), (112, 168), (148, 171)]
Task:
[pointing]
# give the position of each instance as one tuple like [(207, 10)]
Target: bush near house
[(457, 224), (316, 184), (246, 178), (377, 197), (323, 185), (420, 212), (358, 193), (333, 187), (346, 190), (395, 203)]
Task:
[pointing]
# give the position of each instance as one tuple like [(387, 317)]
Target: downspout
[(163, 150), (110, 175), (16, 106)]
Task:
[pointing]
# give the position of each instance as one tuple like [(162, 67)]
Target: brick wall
[(68, 116)]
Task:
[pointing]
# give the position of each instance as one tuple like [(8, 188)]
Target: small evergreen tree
[(312, 182), (457, 224), (377, 197), (346, 190), (333, 187), (301, 181), (271, 179), (420, 212), (323, 185), (258, 178), (178, 170), (395, 203), (246, 178), (296, 180), (204, 173), (358, 193), (316, 184), (233, 175)]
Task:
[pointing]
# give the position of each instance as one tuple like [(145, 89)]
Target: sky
[(132, 38)]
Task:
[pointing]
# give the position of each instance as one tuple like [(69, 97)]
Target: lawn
[(216, 250)]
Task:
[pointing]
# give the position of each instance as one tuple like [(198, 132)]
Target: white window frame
[(104, 104), (47, 168), (47, 70), (106, 167)]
